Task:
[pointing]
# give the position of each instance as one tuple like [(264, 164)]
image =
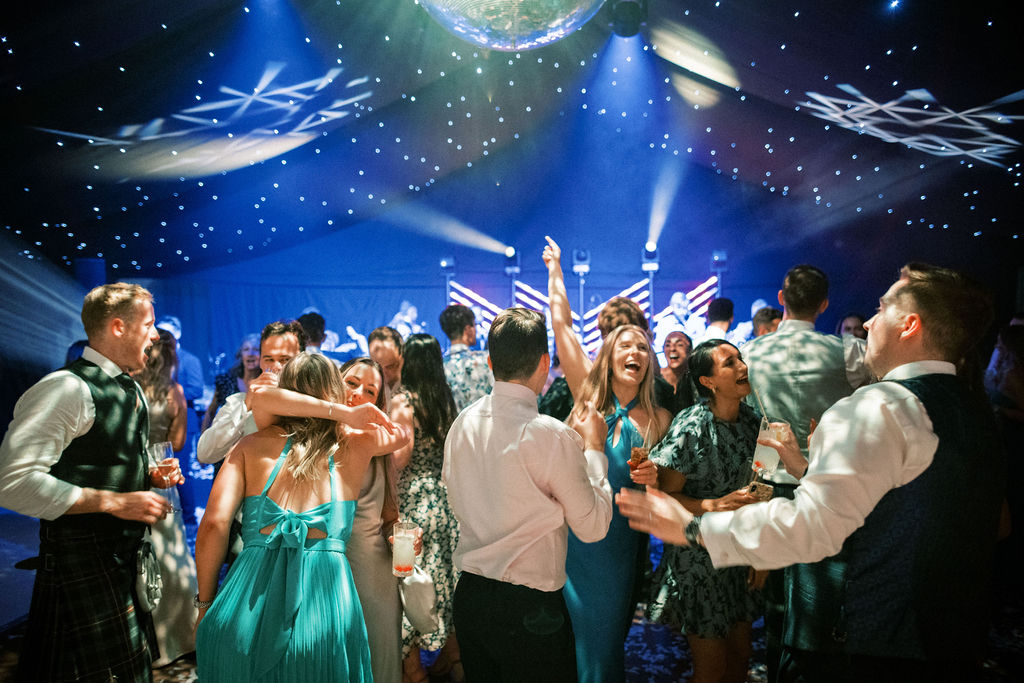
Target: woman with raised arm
[(705, 463), (620, 383), (288, 609), (424, 404)]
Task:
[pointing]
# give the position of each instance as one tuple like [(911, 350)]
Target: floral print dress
[(687, 591), (423, 499)]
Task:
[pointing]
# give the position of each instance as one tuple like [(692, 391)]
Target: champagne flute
[(161, 455)]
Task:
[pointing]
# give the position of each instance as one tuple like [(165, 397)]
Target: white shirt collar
[(108, 366), (515, 391), (921, 367), (794, 324), (458, 348)]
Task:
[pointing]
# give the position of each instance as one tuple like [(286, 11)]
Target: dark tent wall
[(146, 147)]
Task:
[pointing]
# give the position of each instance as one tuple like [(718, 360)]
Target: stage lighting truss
[(585, 329)]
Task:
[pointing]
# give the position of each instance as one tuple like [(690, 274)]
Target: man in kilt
[(75, 457)]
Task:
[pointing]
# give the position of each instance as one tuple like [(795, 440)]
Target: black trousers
[(513, 633)]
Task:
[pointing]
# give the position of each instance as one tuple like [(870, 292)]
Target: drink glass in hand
[(403, 553), (161, 459), (766, 455)]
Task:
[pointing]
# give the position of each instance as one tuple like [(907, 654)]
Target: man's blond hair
[(106, 302)]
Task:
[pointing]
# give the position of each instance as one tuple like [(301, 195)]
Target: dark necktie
[(130, 388)]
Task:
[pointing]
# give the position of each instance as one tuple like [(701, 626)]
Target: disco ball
[(511, 25)]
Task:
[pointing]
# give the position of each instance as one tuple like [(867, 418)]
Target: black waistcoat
[(111, 455), (913, 581)]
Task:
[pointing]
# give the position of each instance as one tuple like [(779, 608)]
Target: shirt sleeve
[(232, 422), (854, 350), (867, 444), (580, 485), (46, 419)]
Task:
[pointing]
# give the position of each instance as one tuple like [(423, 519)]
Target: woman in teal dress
[(705, 463), (288, 609), (599, 590)]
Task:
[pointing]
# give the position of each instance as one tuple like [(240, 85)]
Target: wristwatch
[(692, 533), (201, 604)]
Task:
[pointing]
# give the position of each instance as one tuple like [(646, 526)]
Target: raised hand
[(552, 255)]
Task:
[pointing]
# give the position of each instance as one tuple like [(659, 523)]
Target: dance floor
[(654, 654)]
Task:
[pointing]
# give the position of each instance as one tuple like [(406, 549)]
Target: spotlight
[(649, 261), (580, 261), (447, 264), (511, 262), (627, 15)]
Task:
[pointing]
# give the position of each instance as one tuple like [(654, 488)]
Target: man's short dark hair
[(454, 320), (765, 316), (956, 311), (315, 326), (620, 311), (280, 327), (804, 289), (720, 310), (516, 341), (386, 334)]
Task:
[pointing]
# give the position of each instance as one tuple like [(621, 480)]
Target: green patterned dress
[(423, 498), (687, 591)]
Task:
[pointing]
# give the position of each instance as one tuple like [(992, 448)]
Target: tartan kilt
[(84, 623)]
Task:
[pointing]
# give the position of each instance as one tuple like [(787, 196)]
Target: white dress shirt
[(230, 424), (53, 412), (515, 480), (867, 444)]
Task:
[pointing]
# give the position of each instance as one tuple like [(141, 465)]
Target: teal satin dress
[(601, 575), (288, 609)]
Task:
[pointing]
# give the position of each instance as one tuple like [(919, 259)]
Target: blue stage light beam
[(662, 197), (427, 221)]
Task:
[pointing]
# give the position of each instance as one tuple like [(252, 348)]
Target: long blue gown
[(599, 588), (288, 609)]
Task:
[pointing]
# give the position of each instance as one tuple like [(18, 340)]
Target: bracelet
[(330, 410), (201, 604), (692, 532)]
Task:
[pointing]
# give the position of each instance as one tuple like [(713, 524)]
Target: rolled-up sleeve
[(580, 485), (232, 422), (866, 445), (46, 419)]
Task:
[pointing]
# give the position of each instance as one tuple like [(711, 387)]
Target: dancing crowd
[(870, 548)]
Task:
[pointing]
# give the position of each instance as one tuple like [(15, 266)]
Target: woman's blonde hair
[(313, 439), (597, 385)]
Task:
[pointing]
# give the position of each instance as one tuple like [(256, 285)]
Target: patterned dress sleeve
[(679, 450)]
